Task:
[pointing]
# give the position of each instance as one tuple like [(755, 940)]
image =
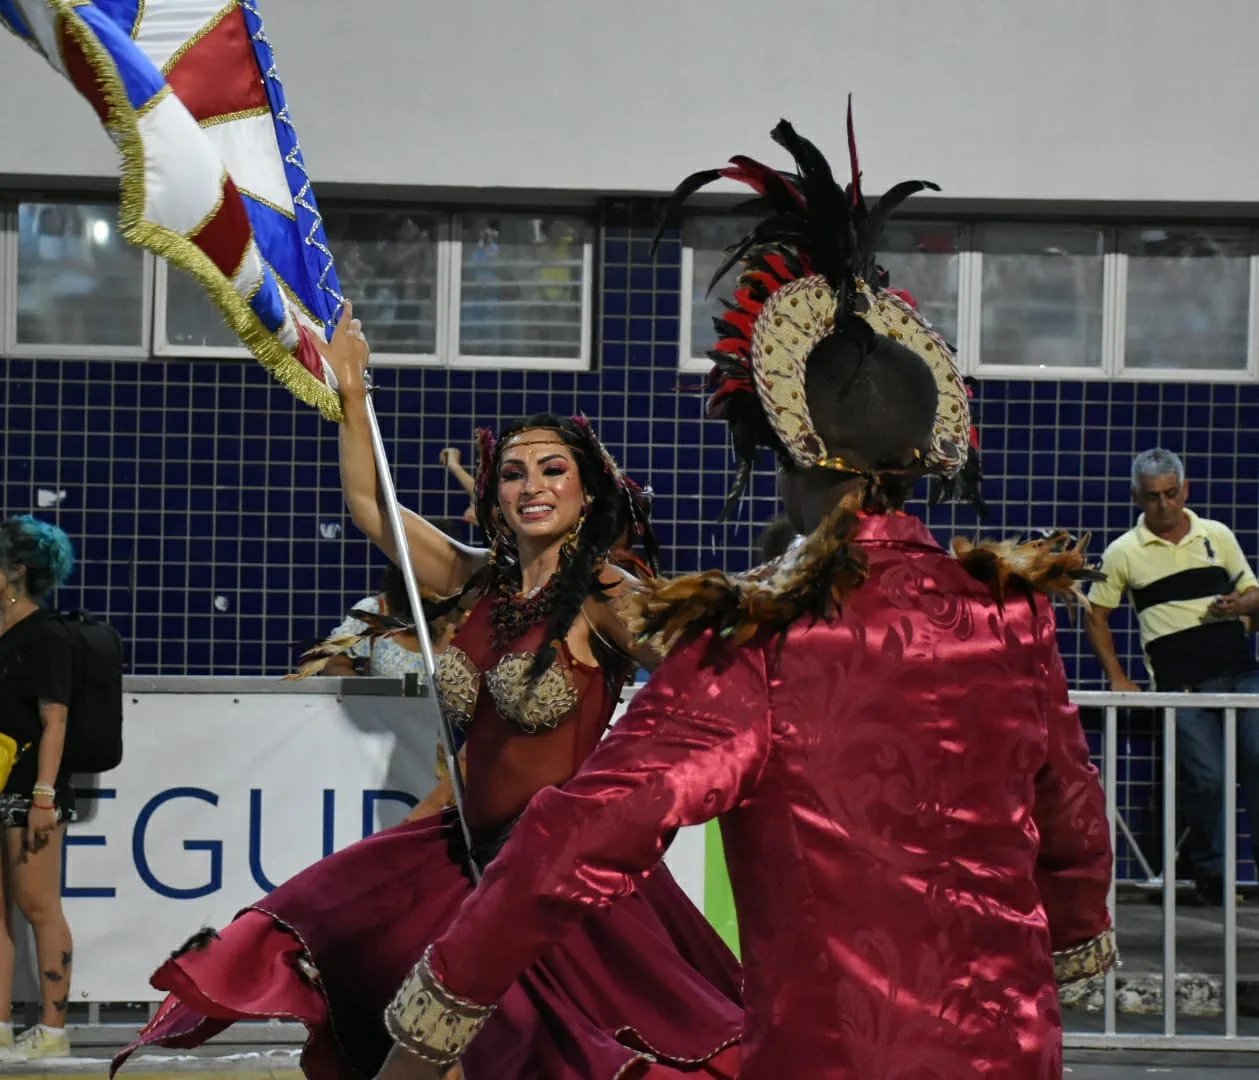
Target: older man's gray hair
[(1151, 464)]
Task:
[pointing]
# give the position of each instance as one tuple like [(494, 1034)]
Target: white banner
[(219, 798), (222, 796)]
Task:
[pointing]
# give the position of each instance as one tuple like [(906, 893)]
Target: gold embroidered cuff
[(429, 1021), (1086, 961)]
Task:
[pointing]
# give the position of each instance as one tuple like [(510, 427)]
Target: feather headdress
[(810, 271)]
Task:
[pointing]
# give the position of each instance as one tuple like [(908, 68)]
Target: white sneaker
[(8, 1052), (40, 1042)]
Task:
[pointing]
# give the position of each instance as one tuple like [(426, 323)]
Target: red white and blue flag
[(212, 173)]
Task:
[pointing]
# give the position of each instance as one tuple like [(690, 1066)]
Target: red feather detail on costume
[(905, 295), (733, 376), (743, 319), (728, 387), (854, 164), (760, 178)]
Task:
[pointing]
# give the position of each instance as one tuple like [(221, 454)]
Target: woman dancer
[(644, 989), (36, 684)]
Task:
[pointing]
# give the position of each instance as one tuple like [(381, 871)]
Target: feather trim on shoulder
[(315, 659), (376, 627), (1054, 565), (812, 580)]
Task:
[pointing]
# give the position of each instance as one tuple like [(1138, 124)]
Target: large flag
[(212, 173)]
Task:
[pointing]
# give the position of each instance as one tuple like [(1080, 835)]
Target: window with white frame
[(523, 291), (924, 258), (486, 290), (1041, 297), (1057, 300), (76, 283), (1187, 299), (188, 323), (388, 266), (705, 239)]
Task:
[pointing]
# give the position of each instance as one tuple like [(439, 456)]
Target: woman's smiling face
[(540, 494)]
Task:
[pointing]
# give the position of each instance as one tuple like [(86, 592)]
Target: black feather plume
[(671, 215)]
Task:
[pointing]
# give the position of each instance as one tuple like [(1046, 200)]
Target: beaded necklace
[(513, 614)]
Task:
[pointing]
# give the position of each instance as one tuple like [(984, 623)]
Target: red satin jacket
[(911, 821)]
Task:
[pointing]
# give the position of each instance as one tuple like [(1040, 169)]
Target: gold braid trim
[(1086, 961), (813, 580), (1054, 566), (178, 249), (429, 1021)]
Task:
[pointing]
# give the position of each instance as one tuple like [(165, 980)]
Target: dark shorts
[(15, 808)]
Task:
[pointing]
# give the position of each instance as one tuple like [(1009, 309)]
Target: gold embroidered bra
[(540, 707)]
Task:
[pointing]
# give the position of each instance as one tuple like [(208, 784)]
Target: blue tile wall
[(206, 506), (188, 482)]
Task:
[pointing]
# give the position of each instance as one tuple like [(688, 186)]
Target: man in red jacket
[(917, 841)]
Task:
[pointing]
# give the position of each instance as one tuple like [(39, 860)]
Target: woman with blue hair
[(36, 680)]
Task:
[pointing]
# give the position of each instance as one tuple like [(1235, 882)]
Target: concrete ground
[(282, 1065)]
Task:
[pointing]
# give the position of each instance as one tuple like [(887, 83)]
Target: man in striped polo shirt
[(1194, 592)]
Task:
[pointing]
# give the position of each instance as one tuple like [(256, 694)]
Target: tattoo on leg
[(61, 1005), (53, 976), (67, 958)]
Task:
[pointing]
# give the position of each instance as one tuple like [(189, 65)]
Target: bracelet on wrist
[(44, 789), (38, 805), (429, 1021)]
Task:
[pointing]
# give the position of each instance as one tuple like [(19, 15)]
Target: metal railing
[(99, 1028), (1169, 1038)]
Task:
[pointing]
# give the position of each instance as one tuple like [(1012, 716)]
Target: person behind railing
[(36, 686), (1192, 588), (452, 458), (356, 648), (483, 284), (558, 312)]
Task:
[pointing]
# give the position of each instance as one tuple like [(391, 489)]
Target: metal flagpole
[(398, 530)]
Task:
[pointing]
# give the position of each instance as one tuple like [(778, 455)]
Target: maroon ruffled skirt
[(644, 987)]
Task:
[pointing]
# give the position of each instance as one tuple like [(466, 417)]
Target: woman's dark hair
[(634, 523), (394, 587), (40, 548)]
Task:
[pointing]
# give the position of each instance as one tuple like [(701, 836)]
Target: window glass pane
[(191, 317), (387, 266), (921, 257), (708, 238), (521, 286), (78, 281), (1188, 298), (1042, 295)]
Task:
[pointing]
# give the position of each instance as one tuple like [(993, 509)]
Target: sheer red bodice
[(521, 737)]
